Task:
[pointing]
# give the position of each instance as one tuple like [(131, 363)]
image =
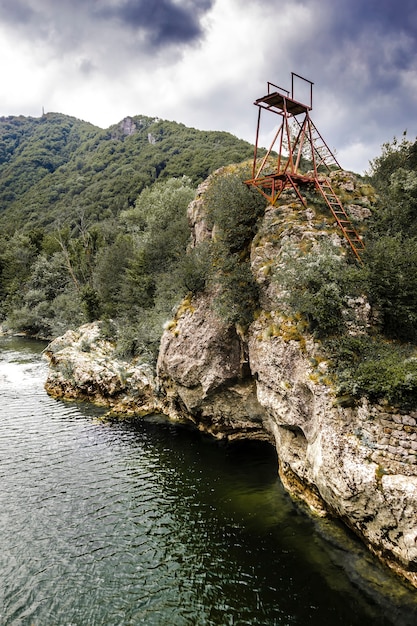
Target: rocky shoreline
[(269, 382), (82, 366), (325, 459)]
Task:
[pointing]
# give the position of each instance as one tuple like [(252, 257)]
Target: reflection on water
[(154, 524)]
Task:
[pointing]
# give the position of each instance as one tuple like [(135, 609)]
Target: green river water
[(151, 523)]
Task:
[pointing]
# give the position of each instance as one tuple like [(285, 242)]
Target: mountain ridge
[(57, 163)]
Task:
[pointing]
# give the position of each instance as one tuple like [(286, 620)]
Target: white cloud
[(357, 155)]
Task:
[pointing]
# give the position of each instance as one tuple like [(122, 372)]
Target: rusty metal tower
[(298, 139)]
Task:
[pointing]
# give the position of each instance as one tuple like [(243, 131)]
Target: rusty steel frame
[(297, 136), (283, 103)]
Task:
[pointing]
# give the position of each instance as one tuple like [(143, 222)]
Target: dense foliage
[(233, 209), (93, 222), (381, 361), (392, 245), (376, 368), (54, 166), (318, 284)]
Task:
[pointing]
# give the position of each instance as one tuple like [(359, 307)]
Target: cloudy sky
[(204, 62)]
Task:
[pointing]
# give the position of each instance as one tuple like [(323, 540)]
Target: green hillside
[(53, 166), (93, 225), (93, 222)]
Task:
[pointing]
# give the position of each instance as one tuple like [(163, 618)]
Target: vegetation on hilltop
[(381, 361), (93, 222), (327, 287), (54, 167), (93, 226)]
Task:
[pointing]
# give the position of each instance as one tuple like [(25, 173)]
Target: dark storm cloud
[(162, 21), (16, 12), (379, 33), (361, 56), (360, 50), (384, 33), (159, 23), (386, 15)]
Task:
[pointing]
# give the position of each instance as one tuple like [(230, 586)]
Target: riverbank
[(83, 366)]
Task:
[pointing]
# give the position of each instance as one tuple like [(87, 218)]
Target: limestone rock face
[(128, 126), (196, 214), (329, 456), (358, 463), (203, 376), (332, 456), (82, 366)]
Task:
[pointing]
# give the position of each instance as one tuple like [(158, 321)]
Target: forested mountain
[(54, 166), (93, 222)]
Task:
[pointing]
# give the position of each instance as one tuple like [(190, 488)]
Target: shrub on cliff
[(391, 257), (233, 212), (194, 268), (318, 284), (375, 368), (391, 264), (237, 295)]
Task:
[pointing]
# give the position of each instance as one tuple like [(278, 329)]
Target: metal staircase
[(326, 190), (321, 154)]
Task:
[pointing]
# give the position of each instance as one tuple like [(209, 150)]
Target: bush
[(317, 284), (375, 368), (237, 296), (234, 209), (392, 283), (91, 303), (233, 212), (194, 267), (394, 175), (140, 338)]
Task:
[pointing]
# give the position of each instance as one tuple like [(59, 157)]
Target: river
[(152, 523)]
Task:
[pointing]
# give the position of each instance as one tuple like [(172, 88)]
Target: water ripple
[(108, 525)]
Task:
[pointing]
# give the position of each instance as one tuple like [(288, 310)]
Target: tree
[(392, 282), (109, 273), (316, 285), (233, 211), (394, 175)]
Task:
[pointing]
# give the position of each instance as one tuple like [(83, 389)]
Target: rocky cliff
[(271, 381), (359, 462)]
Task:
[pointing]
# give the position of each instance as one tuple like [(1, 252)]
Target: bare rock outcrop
[(203, 376), (82, 366), (333, 457), (271, 382), (357, 463)]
